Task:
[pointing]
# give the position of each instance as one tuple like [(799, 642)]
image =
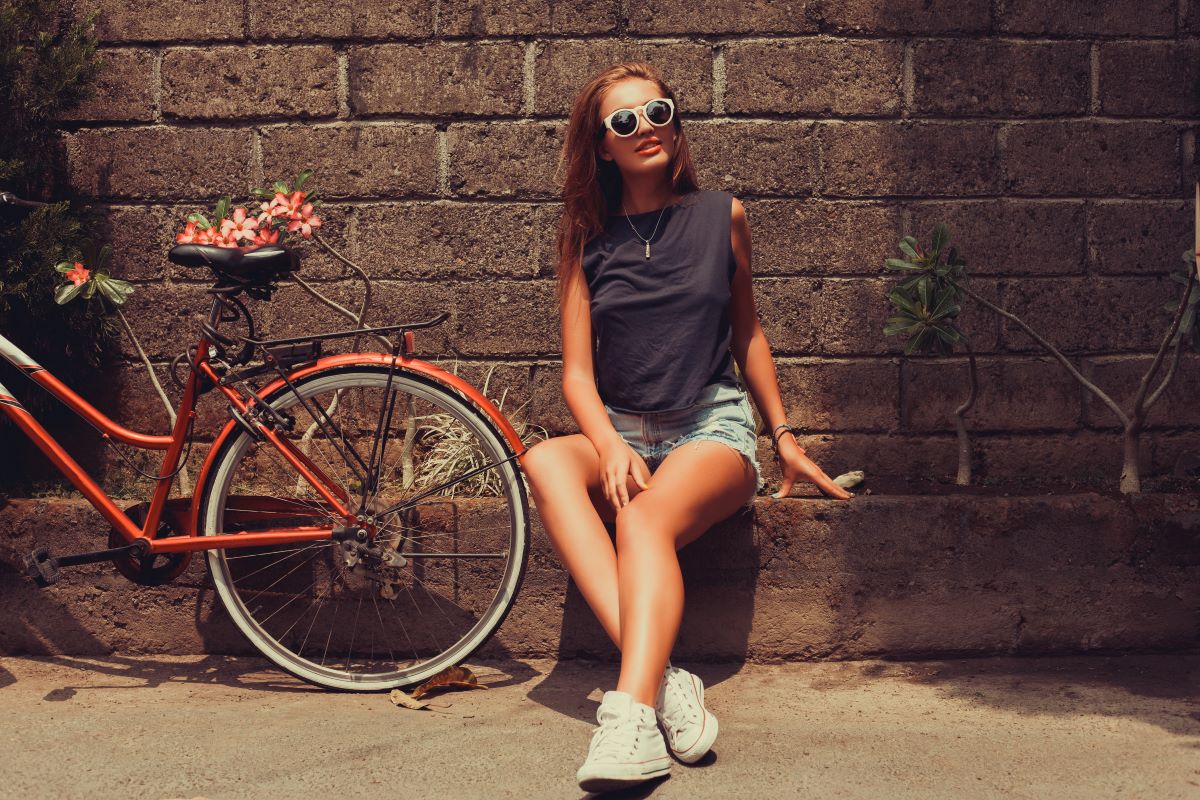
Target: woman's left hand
[(796, 465)]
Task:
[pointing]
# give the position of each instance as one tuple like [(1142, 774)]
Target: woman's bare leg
[(636, 590), (696, 486), (564, 477)]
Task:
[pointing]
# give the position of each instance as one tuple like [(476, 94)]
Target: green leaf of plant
[(104, 255), (941, 235), (946, 304), (67, 292), (947, 336), (115, 290), (65, 266), (901, 300), (907, 246), (923, 294), (896, 325), (898, 263), (302, 177), (280, 186)]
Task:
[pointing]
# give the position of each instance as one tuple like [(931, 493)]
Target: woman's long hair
[(592, 187)]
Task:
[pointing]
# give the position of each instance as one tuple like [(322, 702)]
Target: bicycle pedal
[(41, 567)]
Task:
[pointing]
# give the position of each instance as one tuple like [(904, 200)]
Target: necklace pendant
[(647, 249)]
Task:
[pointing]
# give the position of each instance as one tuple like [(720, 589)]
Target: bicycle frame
[(185, 521)]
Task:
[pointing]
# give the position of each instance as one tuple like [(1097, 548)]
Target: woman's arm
[(750, 346), (578, 375), (753, 354)]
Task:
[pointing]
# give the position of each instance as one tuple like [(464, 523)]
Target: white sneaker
[(689, 727), (626, 749)]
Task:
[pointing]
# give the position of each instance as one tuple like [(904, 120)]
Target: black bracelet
[(775, 435)]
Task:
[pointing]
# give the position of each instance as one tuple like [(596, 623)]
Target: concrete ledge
[(799, 579)]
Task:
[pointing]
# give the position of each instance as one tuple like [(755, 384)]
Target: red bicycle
[(364, 516)]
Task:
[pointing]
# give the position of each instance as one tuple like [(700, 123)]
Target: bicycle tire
[(223, 482)]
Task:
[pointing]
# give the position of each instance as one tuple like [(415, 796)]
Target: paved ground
[(215, 727)]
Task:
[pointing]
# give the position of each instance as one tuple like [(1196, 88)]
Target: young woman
[(659, 270)]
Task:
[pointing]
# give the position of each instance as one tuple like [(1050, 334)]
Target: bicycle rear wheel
[(444, 499)]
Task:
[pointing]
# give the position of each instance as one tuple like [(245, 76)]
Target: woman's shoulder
[(713, 198)]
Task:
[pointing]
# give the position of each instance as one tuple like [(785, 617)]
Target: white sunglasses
[(624, 121)]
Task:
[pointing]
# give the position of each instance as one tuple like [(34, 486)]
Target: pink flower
[(240, 227), (79, 275), (266, 236), (305, 221), (190, 235), (285, 206)]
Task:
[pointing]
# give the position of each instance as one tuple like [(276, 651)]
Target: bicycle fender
[(448, 379)]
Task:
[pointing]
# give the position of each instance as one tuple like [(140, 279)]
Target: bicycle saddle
[(261, 264)]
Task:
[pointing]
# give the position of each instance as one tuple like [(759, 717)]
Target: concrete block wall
[(797, 579), (1056, 139)]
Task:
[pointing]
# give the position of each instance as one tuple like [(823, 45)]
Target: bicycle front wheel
[(449, 530)]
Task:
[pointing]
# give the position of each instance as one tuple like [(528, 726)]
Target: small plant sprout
[(927, 306)]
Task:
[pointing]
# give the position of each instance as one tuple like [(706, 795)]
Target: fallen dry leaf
[(402, 699), (450, 678)]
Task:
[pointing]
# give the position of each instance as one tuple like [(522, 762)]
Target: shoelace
[(678, 709), (613, 738)]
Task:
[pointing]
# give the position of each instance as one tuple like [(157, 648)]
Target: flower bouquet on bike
[(363, 515)]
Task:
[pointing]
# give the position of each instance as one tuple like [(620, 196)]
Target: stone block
[(242, 82), (1088, 314), (1087, 18), (359, 161), (1013, 395), (443, 241), (994, 235), (841, 395), (505, 159), (1090, 158), (953, 77), (921, 17), (498, 18), (161, 21), (834, 316), (872, 159), (778, 157), (1152, 79), (1120, 377), (813, 77), (819, 237), (437, 79), (123, 91), (157, 163), (722, 16), (343, 19), (1146, 237), (507, 318), (562, 67)]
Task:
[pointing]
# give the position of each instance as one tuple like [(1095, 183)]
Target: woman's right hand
[(619, 461)]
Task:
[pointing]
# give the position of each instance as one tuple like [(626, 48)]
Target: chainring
[(153, 569)]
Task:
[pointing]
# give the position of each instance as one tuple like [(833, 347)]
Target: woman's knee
[(544, 458), (637, 524)]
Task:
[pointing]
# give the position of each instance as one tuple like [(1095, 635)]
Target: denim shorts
[(721, 413)]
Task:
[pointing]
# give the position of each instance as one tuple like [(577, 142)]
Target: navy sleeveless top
[(660, 326)]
